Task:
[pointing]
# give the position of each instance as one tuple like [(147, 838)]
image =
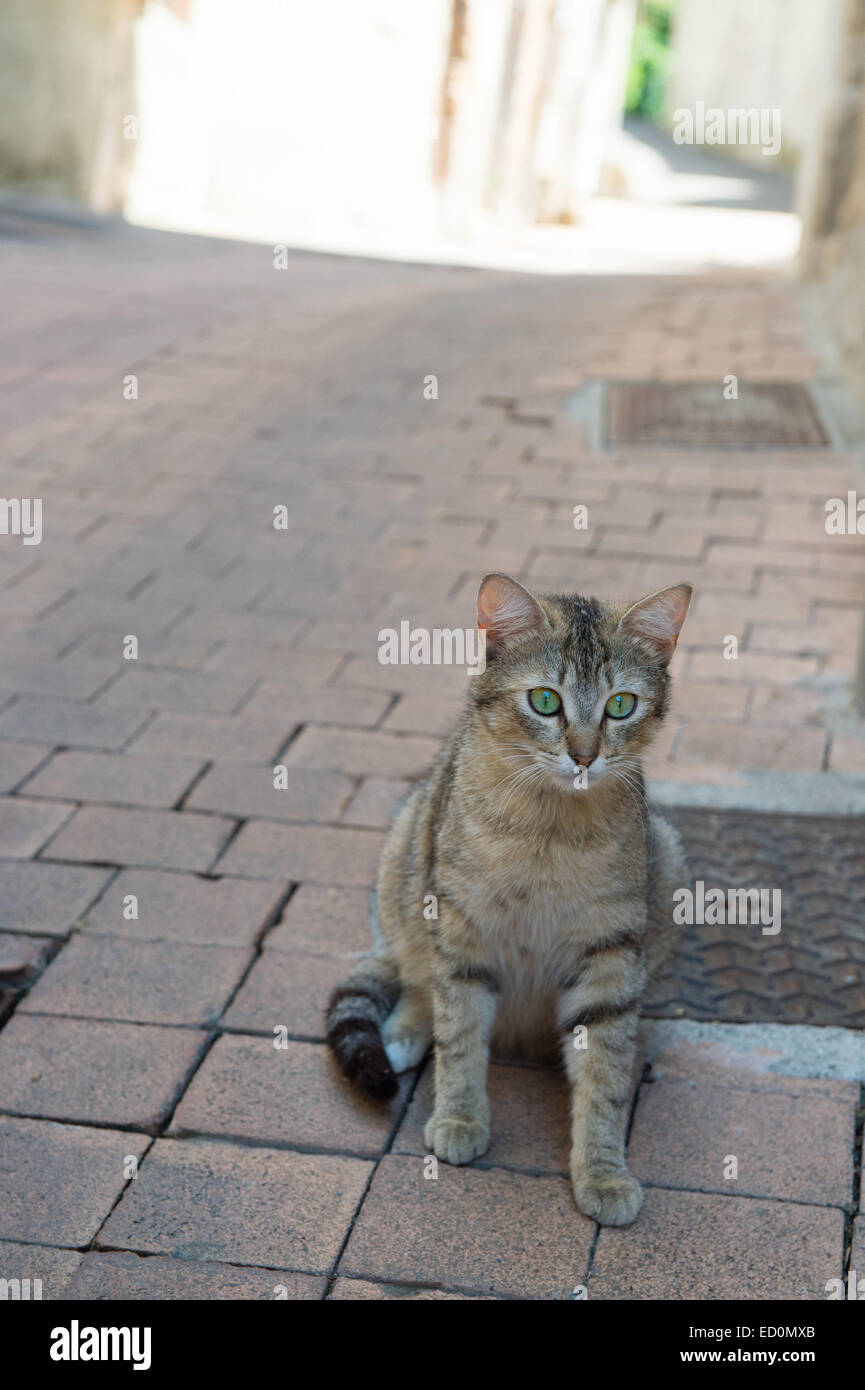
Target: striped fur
[(553, 904), (355, 1013)]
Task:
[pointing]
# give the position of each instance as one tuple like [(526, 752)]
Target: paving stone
[(62, 722), (246, 789), (17, 760), (22, 957), (48, 1269), (213, 693), (59, 1182), (121, 779), (325, 920), (236, 590), (751, 665), (228, 737), (252, 1205), (345, 858), (362, 753), (744, 1064), (794, 748), (530, 1119), (91, 1072), (684, 1136), (287, 989), (332, 634), (175, 650), (686, 545), (109, 612), (184, 907), (142, 981), (847, 754), (809, 640), (692, 1245), (479, 1231), (857, 1262), (356, 1290), (158, 839), (25, 826), (283, 667), (76, 676), (375, 803), (342, 705), (38, 897), (248, 1088), (128, 1277), (238, 633), (713, 700), (416, 713), (444, 681)]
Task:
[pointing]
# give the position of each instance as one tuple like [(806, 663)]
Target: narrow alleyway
[(163, 396)]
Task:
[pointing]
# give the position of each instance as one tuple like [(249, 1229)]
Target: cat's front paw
[(613, 1200), (456, 1141)]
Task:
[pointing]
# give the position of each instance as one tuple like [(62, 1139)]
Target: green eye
[(620, 706), (545, 701)]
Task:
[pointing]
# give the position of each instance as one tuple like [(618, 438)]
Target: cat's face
[(574, 691)]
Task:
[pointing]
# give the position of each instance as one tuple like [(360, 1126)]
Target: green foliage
[(650, 60)]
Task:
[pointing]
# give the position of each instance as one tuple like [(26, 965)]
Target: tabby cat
[(525, 890)]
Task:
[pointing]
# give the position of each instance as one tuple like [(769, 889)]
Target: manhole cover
[(813, 969), (778, 415)]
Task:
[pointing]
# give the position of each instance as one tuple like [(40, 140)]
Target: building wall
[(366, 122), (65, 88), (568, 96), (349, 124), (774, 54), (833, 246), (833, 254), (287, 119)]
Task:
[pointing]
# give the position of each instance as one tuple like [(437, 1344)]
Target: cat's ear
[(505, 608), (657, 620)]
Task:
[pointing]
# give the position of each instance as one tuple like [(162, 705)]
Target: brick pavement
[(182, 915)]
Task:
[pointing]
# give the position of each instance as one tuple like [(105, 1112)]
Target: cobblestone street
[(163, 395)]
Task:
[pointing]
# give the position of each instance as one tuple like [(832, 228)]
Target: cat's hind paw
[(406, 1036), (405, 1053), (456, 1141), (611, 1200)]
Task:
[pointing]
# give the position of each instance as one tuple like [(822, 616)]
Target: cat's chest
[(550, 891)]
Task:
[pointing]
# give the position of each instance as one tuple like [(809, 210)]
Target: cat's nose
[(585, 760)]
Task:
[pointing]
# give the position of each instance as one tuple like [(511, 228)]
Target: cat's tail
[(356, 1010)]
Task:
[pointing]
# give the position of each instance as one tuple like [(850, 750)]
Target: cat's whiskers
[(486, 789), (525, 778), (632, 769), (518, 775), (627, 775), (525, 756)]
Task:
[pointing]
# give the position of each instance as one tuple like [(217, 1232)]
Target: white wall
[(288, 119), (756, 53)]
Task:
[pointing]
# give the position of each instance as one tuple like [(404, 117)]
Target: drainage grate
[(813, 970), (773, 415)]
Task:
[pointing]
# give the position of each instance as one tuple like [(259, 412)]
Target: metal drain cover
[(773, 415), (813, 969)]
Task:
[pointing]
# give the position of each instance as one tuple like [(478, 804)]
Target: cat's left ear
[(657, 620)]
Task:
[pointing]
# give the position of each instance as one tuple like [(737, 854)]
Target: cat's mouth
[(544, 772), (569, 775)]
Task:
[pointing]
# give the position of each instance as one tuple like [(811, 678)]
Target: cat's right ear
[(505, 609)]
